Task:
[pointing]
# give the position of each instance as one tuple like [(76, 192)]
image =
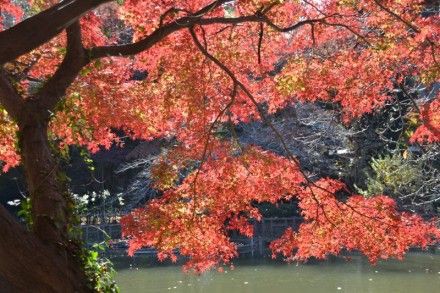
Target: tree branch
[(396, 16), (9, 97), (162, 32), (75, 59), (186, 22), (38, 29), (211, 7), (260, 41), (239, 84), (296, 25)]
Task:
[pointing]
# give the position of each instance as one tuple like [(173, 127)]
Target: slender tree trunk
[(42, 260)]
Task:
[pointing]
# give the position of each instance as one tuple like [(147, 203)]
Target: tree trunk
[(42, 261), (28, 265), (51, 212)]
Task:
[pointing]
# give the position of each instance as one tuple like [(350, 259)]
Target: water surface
[(418, 273)]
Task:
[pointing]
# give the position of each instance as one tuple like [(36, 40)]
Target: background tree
[(72, 75)]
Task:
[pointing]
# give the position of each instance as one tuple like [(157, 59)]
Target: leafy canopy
[(224, 62)]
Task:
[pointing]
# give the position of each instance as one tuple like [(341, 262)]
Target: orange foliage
[(349, 52)]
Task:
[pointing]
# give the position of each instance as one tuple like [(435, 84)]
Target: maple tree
[(207, 63)]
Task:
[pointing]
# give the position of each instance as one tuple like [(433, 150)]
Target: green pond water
[(418, 273)]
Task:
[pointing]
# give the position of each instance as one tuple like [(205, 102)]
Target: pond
[(418, 273)]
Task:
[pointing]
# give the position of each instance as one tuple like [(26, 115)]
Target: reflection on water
[(418, 273)]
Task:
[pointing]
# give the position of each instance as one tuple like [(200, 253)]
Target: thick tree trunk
[(42, 260), (28, 265), (49, 198)]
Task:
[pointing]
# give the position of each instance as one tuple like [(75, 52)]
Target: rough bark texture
[(23, 37), (45, 260), (50, 211), (28, 265), (42, 261)]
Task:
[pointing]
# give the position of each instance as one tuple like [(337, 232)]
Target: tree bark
[(49, 198), (44, 260), (29, 265), (42, 27)]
